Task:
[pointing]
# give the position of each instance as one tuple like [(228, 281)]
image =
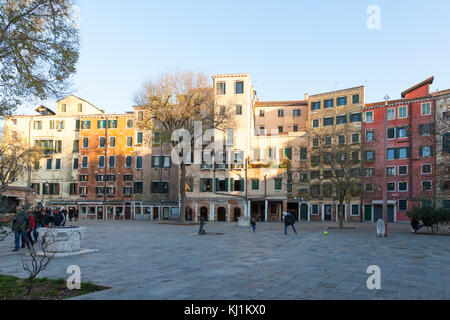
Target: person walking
[(70, 214), (30, 228), (75, 214), (289, 220), (19, 227), (37, 220), (253, 223), (63, 211)]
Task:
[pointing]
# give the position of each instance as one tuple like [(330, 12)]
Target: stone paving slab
[(148, 260)]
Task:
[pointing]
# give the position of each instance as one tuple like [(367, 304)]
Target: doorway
[(327, 212), (304, 212), (293, 208), (166, 213), (221, 214), (391, 213), (99, 213), (378, 212), (188, 214), (127, 213), (367, 212), (155, 213), (204, 213), (237, 214)]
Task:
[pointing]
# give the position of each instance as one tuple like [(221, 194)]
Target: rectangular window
[(391, 187), (77, 124), (341, 139), (315, 106), (63, 107), (369, 135), (255, 184), (205, 185), (328, 103), (341, 119), (51, 124), (402, 112), (100, 177), (355, 99), (83, 191), (138, 187), (403, 205), (295, 128), (402, 186), (239, 110), (355, 138), (426, 186), (83, 178), (328, 122), (101, 124), (368, 187), (280, 129), (85, 142), (296, 113), (85, 162), (102, 142), (129, 123), (261, 113), (315, 142), (140, 115), (138, 162), (425, 151), (112, 124), (288, 153), (127, 177), (303, 154), (86, 124), (112, 142), (426, 108), (239, 87), (391, 133), (58, 164), (278, 184), (426, 129), (129, 161), (129, 141), (403, 170), (37, 125), (402, 132), (112, 161), (369, 172), (355, 117), (101, 161), (391, 171), (280, 113), (328, 140), (391, 114), (80, 107), (75, 164), (221, 88), (76, 144), (60, 125), (369, 116), (127, 191), (342, 101), (370, 155), (315, 123), (49, 164), (355, 210), (426, 169), (315, 209)]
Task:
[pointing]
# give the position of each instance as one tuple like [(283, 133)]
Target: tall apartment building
[(399, 154), (156, 197), (106, 165), (339, 113), (278, 162), (218, 190), (57, 133)]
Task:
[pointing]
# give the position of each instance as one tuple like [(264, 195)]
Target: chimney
[(306, 96)]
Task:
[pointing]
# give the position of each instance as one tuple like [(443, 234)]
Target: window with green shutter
[(255, 184), (278, 184)]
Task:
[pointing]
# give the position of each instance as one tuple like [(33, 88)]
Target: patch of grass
[(13, 288)]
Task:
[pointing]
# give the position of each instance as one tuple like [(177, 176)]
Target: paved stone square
[(148, 260)]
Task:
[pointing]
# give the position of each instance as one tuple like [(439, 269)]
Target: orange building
[(105, 166)]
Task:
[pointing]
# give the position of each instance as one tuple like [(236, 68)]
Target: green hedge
[(431, 217)]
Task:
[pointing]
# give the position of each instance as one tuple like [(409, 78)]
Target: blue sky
[(288, 47)]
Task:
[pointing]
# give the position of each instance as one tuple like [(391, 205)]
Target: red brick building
[(398, 154)]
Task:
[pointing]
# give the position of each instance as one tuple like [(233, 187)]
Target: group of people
[(289, 220), (26, 223)]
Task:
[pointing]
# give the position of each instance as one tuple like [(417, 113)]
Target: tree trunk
[(341, 214), (182, 192)]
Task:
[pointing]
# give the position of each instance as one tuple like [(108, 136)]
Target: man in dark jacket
[(289, 220), (19, 226)]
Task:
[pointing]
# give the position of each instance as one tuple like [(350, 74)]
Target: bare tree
[(16, 158), (35, 262), (341, 161), (175, 101), (39, 46)]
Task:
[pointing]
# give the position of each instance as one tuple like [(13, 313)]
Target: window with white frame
[(314, 209), (403, 186), (369, 116), (368, 187), (391, 171), (426, 169), (402, 170), (426, 185), (391, 114), (426, 108), (402, 112)]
